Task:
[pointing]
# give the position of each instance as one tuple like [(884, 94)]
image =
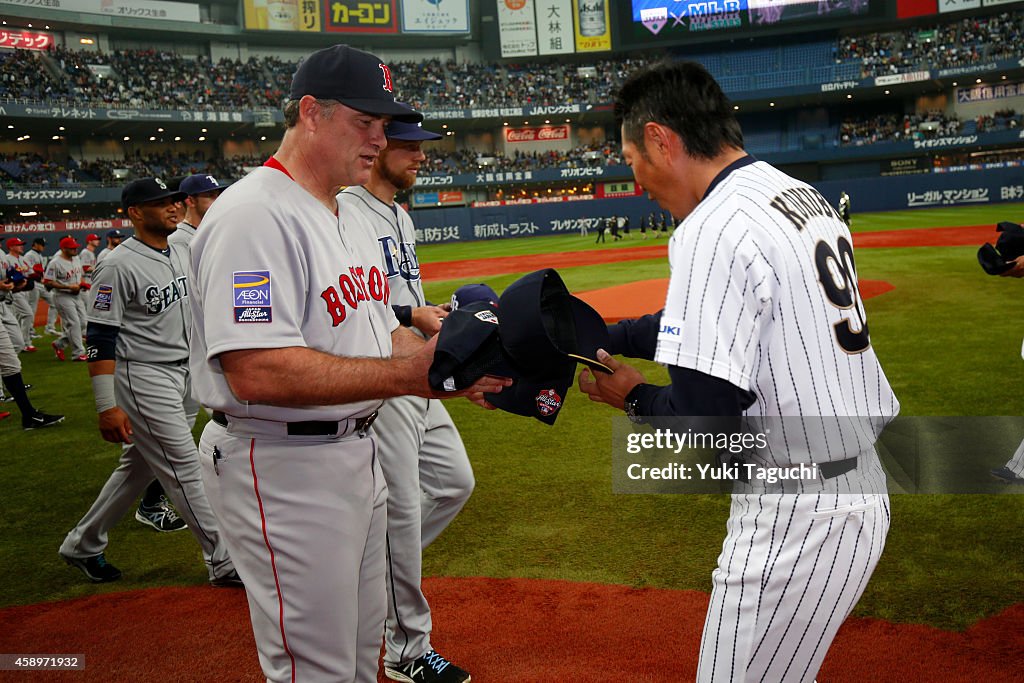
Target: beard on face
[(402, 180)]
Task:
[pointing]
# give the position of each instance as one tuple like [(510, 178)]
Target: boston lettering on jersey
[(800, 204), (400, 258), (355, 286), (159, 298)]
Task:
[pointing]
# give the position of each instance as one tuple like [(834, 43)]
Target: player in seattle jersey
[(424, 462), (139, 322), (762, 319)]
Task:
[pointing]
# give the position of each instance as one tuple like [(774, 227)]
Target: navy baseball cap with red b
[(355, 78)]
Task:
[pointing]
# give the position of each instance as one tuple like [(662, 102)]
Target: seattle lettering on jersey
[(800, 204), (400, 258), (159, 298), (355, 286)]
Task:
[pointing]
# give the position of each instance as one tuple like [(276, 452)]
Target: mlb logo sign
[(251, 293), (104, 295)]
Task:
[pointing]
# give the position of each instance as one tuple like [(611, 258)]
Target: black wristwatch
[(632, 405)]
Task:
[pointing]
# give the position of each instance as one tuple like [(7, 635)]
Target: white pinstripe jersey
[(763, 294)]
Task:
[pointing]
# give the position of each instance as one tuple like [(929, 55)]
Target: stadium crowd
[(942, 46), (155, 79)]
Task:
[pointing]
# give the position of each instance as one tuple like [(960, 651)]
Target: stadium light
[(65, 210), (954, 84), (978, 81), (736, 107), (771, 104), (126, 138), (152, 138), (11, 126), (159, 130), (886, 92), (262, 138), (203, 131), (177, 138), (849, 97), (55, 137), (86, 41), (547, 120), (60, 128), (202, 138)]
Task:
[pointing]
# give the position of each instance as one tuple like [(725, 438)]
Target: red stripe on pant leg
[(273, 562)]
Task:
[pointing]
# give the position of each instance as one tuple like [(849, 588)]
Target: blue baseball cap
[(467, 294), (402, 130), (199, 183), (355, 78)]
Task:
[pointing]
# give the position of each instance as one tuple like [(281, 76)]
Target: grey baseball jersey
[(143, 292), (23, 301), (271, 269), (31, 259), (421, 453), (67, 272), (104, 253), (88, 259), (183, 235), (763, 294), (141, 289)]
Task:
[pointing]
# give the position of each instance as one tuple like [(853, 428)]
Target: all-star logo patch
[(104, 297), (251, 293), (548, 402), (486, 317)]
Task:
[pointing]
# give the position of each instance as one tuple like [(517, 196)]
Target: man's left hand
[(611, 389)]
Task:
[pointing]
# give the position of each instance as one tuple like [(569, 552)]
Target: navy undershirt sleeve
[(101, 341)]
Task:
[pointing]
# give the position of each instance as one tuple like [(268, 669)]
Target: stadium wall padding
[(891, 193)]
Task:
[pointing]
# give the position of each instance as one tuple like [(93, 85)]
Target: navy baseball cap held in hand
[(467, 348), (543, 326), (414, 132), (199, 183), (467, 294), (355, 78), (146, 190), (998, 259)]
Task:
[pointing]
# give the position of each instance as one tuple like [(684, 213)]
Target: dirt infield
[(502, 265), (507, 630)]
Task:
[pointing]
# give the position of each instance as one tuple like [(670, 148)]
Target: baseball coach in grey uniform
[(139, 322), (424, 462), (294, 346)]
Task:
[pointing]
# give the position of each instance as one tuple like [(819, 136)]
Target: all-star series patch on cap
[(355, 78), (146, 190)]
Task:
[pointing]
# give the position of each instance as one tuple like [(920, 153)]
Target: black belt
[(831, 470), (311, 427)]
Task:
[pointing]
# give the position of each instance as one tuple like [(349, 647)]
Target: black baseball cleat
[(229, 580), (95, 567), (430, 668), (162, 517), (1007, 475), (40, 420)]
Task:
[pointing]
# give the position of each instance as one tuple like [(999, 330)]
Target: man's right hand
[(1017, 270), (114, 426)]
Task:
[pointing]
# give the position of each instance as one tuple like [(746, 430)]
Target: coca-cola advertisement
[(538, 134)]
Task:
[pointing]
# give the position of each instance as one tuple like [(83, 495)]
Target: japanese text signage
[(435, 16), (25, 40)]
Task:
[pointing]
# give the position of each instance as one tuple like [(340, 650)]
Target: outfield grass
[(949, 339)]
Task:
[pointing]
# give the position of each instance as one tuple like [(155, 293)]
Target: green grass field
[(949, 338)]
